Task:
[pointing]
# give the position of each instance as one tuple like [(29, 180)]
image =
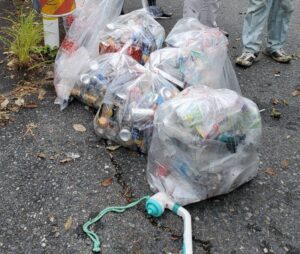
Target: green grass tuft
[(22, 37)]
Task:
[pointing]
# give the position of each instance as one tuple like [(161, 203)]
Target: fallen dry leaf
[(113, 148), (4, 104), (176, 237), (12, 63), (29, 129), (24, 89), (4, 119), (271, 172), (107, 182), (274, 101), (41, 155), (68, 223), (79, 128), (30, 105), (42, 93), (285, 164), (20, 102), (14, 108), (296, 93), (66, 160)]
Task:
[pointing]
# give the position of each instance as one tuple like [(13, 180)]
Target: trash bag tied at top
[(204, 144), (184, 67), (207, 63), (139, 28)]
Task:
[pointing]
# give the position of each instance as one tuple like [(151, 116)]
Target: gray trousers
[(204, 10), (277, 14)]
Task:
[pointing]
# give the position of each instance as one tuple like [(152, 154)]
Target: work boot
[(279, 56), (246, 59)]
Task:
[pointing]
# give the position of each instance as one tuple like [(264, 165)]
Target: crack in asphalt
[(127, 193)]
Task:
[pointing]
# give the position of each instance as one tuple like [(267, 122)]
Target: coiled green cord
[(118, 209)]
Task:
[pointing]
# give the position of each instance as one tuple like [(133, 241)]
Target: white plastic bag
[(80, 44), (126, 116), (139, 28), (185, 67), (204, 144), (208, 44), (68, 20)]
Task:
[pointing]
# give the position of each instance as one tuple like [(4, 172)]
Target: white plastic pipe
[(187, 235), (51, 32), (156, 206)]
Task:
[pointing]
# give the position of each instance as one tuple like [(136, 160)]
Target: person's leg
[(254, 22), (278, 26)]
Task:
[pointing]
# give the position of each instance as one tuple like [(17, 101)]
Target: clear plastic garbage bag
[(93, 82), (126, 115), (204, 144), (80, 44), (209, 45), (69, 19), (185, 67), (140, 28)]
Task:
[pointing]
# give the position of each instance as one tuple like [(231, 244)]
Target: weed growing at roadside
[(22, 37)]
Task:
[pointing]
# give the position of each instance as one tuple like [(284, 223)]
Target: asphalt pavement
[(45, 202)]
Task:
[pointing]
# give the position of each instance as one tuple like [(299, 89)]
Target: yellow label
[(57, 7)]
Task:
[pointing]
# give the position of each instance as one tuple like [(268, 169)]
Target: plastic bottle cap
[(154, 208)]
